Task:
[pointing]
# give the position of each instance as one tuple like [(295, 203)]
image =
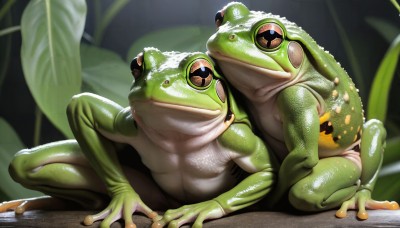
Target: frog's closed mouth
[(263, 71), (181, 108)]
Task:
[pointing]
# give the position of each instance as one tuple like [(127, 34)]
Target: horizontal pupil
[(202, 72), (269, 35)]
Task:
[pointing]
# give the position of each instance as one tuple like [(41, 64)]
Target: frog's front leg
[(372, 147), (300, 122), (91, 117)]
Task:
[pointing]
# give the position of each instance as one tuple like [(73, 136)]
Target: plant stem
[(396, 5), (38, 126), (9, 30)]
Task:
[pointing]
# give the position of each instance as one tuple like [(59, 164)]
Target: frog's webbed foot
[(362, 201), (196, 213), (43, 203), (122, 205)]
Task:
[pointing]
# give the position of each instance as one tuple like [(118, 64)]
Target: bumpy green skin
[(306, 107), (84, 172)]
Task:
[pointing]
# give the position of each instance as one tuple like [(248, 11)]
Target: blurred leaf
[(392, 151), (51, 33), (104, 20), (9, 145), (378, 97), (5, 9), (5, 46), (106, 74), (385, 28), (182, 38), (348, 48), (387, 187)]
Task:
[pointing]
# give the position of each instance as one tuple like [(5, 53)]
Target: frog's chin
[(250, 66), (174, 118)]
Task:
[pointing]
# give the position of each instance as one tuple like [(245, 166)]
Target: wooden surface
[(248, 219)]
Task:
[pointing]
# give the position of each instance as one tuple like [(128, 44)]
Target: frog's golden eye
[(269, 36), (201, 73), (219, 17), (137, 65)]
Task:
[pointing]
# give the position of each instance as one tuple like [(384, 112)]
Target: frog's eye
[(269, 36), (137, 65), (201, 74), (219, 17)]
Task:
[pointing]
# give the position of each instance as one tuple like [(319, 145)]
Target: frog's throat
[(208, 113), (272, 73)]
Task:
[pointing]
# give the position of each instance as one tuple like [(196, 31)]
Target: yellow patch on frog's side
[(326, 139)]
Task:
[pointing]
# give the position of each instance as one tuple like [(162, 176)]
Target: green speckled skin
[(306, 107)]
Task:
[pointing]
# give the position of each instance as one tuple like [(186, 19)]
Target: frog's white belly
[(188, 175)]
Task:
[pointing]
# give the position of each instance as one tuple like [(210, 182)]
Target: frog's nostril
[(166, 83), (232, 37)]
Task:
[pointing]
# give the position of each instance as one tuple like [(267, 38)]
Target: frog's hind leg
[(372, 147), (332, 181), (60, 170)]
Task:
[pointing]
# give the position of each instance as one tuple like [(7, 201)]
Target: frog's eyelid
[(219, 18), (137, 65)]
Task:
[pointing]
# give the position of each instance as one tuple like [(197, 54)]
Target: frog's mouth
[(250, 66), (207, 113)]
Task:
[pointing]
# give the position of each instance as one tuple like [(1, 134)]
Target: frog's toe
[(157, 224), (10, 205), (362, 215), (89, 220), (386, 205), (130, 225), (341, 213)]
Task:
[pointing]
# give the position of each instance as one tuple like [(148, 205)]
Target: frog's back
[(342, 119)]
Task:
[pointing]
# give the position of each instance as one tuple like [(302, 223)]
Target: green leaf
[(51, 33), (392, 151), (9, 145), (106, 74), (387, 187), (378, 97), (387, 30), (182, 38)]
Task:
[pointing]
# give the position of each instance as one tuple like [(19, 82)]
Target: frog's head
[(261, 44), (175, 91)]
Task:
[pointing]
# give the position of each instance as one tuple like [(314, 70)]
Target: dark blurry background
[(139, 18)]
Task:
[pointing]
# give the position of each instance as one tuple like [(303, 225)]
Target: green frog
[(195, 140), (307, 109)]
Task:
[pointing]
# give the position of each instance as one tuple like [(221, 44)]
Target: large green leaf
[(51, 33), (378, 98), (106, 74), (9, 145), (183, 38)]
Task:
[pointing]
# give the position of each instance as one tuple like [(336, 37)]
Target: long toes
[(393, 205), (382, 205)]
